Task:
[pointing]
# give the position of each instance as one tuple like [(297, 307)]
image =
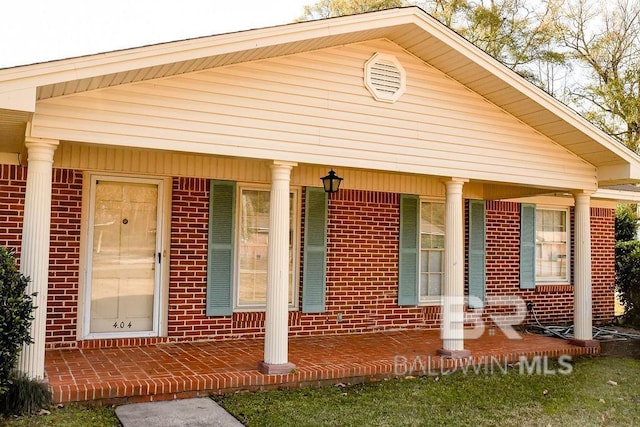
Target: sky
[(34, 31)]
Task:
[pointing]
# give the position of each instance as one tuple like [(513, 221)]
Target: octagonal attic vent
[(385, 77)]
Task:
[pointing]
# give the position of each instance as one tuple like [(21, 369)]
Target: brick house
[(172, 192)]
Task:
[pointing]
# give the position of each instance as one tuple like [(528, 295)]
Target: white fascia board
[(19, 100), (617, 195), (171, 52)]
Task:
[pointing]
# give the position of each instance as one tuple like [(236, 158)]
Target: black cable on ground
[(566, 332)]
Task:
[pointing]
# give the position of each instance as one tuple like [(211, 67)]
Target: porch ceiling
[(12, 129), (410, 28)]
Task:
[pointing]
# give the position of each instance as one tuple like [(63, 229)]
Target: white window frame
[(432, 299), (295, 222), (554, 280)]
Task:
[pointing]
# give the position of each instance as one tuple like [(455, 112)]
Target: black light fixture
[(331, 182)]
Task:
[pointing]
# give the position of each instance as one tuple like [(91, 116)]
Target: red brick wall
[(362, 264), (603, 273), (66, 201), (188, 276), (13, 183), (362, 268), (553, 304), (362, 273), (64, 262)]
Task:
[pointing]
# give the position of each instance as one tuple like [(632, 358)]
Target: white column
[(452, 329), (582, 268), (276, 340), (34, 254)]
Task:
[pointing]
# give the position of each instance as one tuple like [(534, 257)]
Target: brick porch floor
[(174, 371)]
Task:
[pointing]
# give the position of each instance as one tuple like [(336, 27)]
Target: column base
[(454, 354), (275, 369), (584, 343)]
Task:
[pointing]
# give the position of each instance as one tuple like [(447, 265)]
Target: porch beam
[(452, 327), (34, 254), (276, 340), (582, 272)]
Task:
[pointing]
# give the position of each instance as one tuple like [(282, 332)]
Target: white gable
[(314, 107)]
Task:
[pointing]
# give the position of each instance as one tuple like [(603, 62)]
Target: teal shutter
[(409, 250), (315, 251), (477, 257), (527, 246), (221, 248)]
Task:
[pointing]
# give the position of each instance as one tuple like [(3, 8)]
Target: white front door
[(124, 256)]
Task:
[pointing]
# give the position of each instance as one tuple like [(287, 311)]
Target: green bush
[(15, 315), (628, 279), (628, 263)]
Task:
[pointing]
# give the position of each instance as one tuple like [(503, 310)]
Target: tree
[(450, 12), (333, 8), (522, 37), (626, 225), (605, 43)]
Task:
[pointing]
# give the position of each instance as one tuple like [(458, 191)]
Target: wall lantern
[(331, 182)]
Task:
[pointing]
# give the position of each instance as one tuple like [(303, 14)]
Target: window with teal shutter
[(221, 248), (408, 252), (477, 254), (315, 251), (527, 246)]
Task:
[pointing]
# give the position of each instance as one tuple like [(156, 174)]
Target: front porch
[(183, 370)]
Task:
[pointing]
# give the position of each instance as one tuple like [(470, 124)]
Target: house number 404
[(122, 325)]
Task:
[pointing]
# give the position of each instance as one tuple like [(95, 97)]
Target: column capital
[(281, 171), (455, 179), (582, 193), (40, 149), (42, 142), (282, 163), (454, 186)]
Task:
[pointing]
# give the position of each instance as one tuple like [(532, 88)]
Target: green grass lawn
[(68, 416), (586, 397), (582, 398)]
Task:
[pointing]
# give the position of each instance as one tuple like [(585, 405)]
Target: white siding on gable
[(314, 108)]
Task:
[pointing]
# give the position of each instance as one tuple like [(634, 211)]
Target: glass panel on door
[(124, 247)]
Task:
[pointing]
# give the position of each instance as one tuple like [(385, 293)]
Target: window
[(251, 248), (431, 251), (552, 235)]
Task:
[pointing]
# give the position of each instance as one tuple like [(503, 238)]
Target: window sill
[(431, 303), (549, 288), (257, 309)]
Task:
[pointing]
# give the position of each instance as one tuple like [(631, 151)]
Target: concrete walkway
[(173, 413)]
